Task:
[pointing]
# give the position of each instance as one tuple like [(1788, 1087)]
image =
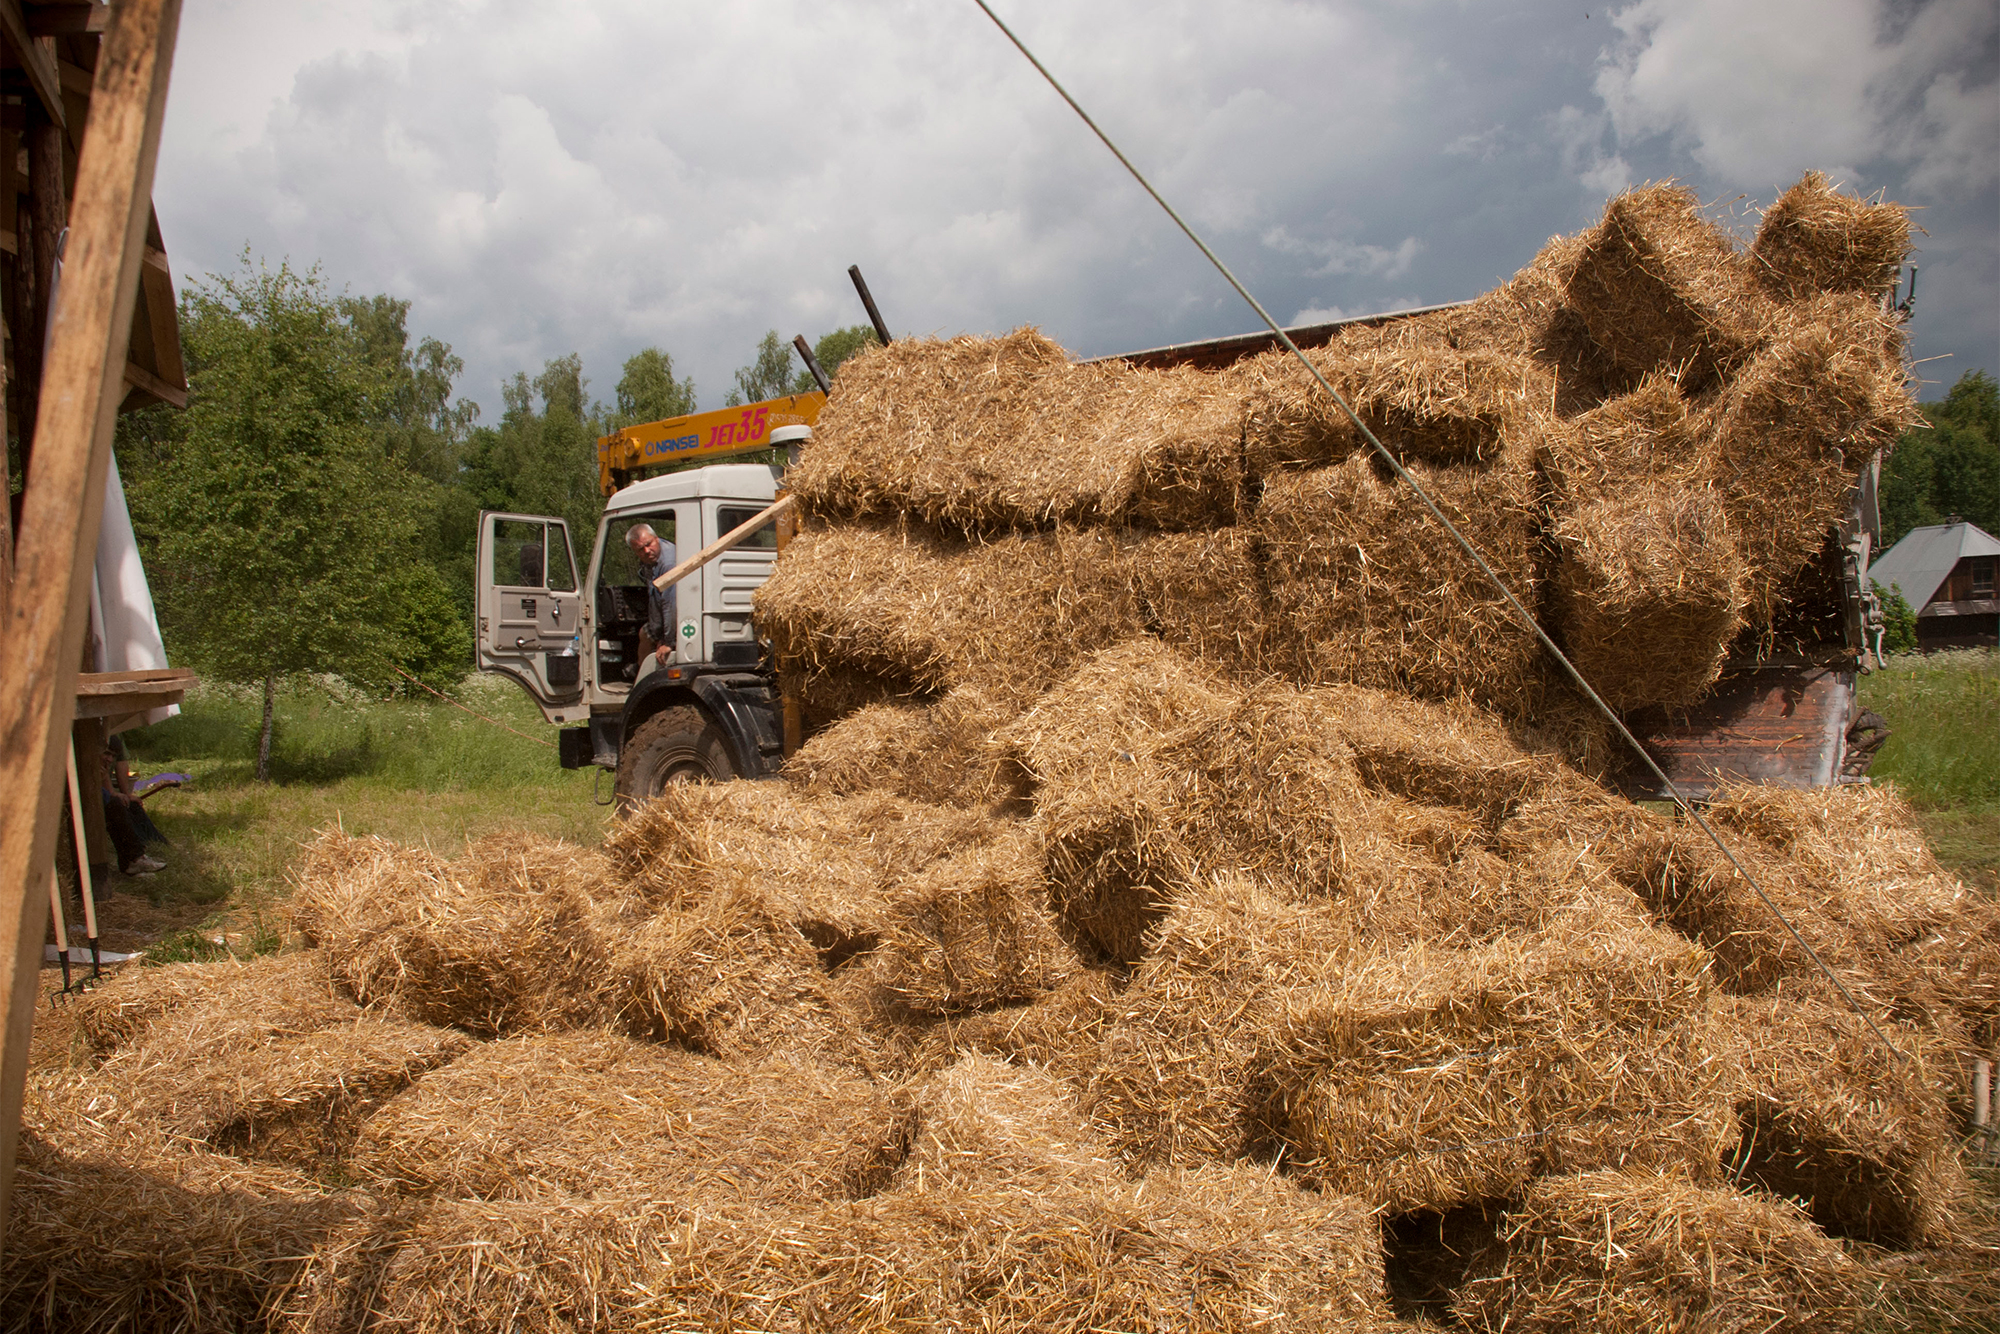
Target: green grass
[(1943, 752), (424, 773)]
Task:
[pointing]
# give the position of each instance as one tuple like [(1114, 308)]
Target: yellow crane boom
[(632, 451)]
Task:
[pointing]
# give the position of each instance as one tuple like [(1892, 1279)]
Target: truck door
[(528, 605)]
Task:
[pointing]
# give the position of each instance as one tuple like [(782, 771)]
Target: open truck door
[(529, 607)]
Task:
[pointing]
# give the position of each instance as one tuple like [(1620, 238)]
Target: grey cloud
[(541, 178)]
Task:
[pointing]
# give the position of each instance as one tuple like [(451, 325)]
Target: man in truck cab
[(655, 559)]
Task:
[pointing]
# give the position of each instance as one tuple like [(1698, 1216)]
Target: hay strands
[(1464, 544)]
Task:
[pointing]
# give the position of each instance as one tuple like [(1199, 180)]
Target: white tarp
[(121, 603)]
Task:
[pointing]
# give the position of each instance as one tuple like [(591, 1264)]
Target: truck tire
[(677, 745)]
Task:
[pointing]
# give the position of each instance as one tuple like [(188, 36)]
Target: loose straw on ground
[(1464, 544)]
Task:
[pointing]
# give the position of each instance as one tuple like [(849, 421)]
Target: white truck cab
[(709, 710)]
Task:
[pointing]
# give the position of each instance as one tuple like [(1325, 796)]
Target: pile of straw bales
[(1177, 928), (1648, 432)]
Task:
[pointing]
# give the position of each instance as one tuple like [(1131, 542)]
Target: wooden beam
[(81, 386), (167, 392), (67, 20), (729, 541), (74, 78), (35, 56)]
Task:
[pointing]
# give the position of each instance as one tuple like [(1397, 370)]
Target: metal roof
[(1925, 556)]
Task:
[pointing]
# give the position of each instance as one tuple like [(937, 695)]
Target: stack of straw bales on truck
[(1194, 910)]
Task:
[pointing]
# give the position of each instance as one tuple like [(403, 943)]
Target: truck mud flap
[(745, 707)]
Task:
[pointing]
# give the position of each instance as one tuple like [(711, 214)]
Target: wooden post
[(82, 385), (1982, 1108), (791, 704)]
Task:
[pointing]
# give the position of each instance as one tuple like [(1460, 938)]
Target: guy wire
[(1382, 451)]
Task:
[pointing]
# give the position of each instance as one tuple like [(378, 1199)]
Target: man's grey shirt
[(660, 616)]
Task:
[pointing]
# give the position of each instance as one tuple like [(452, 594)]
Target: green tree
[(838, 346), (1899, 619), (1951, 468), (648, 391), (425, 431), (542, 461), (775, 373), (281, 535)]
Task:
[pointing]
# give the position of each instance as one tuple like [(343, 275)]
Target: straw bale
[(731, 976), (126, 1237), (943, 752), (294, 989), (825, 864), (1364, 587), (1648, 592), (990, 434), (828, 694), (1213, 1251), (1176, 1076), (1057, 1031), (983, 1125), (1648, 437), (1423, 1079), (584, 1114), (1154, 777), (1446, 752), (1527, 316), (973, 931), (248, 1081), (1202, 593), (1847, 868), (1816, 239), (1424, 401), (1798, 424), (1645, 1252), (1104, 747), (1834, 1117), (1659, 287), (1647, 583), (941, 612), (496, 941)]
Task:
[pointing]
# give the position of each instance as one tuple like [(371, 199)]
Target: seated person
[(655, 559), (122, 813)]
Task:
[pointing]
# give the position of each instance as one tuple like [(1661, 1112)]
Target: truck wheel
[(677, 745)]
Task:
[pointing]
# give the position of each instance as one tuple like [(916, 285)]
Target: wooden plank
[(1780, 726), (81, 386), (140, 378), (122, 706), (136, 682), (74, 78), (67, 20), (35, 56), (163, 321)]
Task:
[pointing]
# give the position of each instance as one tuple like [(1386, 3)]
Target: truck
[(1783, 713), (568, 632)]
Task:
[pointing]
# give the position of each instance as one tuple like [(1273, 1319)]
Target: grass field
[(424, 773), (1943, 752)]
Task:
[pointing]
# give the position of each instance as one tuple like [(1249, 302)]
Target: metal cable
[(1382, 451)]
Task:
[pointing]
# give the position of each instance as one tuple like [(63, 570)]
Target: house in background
[(1946, 573)]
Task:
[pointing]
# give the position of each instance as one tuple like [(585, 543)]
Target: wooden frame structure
[(68, 405)]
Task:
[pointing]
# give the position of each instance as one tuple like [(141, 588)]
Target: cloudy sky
[(547, 176)]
